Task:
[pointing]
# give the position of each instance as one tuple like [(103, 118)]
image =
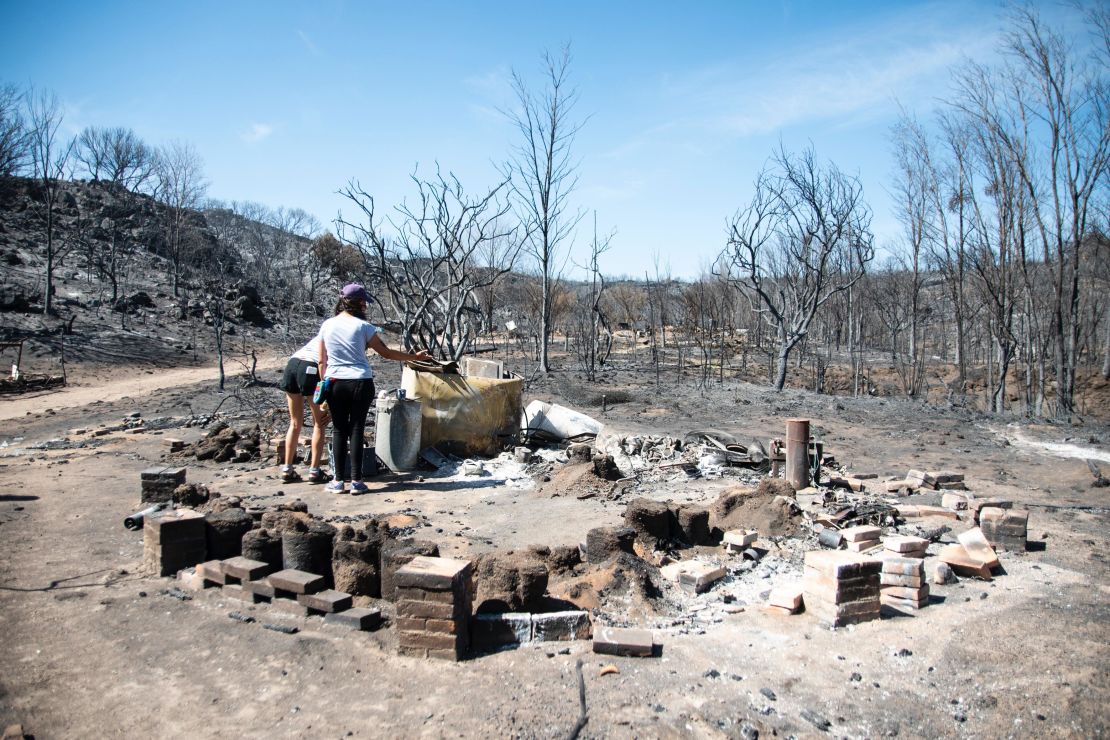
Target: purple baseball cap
[(354, 290)]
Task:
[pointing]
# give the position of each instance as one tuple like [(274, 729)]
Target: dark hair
[(354, 306)]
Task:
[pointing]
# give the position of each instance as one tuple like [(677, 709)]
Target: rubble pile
[(224, 444)]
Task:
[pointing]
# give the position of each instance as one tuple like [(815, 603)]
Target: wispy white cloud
[(848, 81), (313, 49), (257, 132), (494, 84)]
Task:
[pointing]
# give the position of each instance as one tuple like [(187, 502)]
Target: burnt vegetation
[(993, 296)]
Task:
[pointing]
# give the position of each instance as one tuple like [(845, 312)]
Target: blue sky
[(685, 101)]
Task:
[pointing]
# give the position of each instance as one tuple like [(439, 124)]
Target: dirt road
[(93, 648)]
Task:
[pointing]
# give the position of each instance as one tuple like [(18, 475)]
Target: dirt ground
[(92, 647)]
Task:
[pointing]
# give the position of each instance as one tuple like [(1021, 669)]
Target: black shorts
[(297, 379)]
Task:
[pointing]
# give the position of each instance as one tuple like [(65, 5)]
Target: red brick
[(429, 640), (412, 624), (903, 592), (428, 610), (443, 626), (839, 564)]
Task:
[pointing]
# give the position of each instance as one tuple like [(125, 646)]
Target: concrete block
[(357, 618), (621, 641), (863, 545), (296, 581), (494, 631), (326, 601), (558, 626)]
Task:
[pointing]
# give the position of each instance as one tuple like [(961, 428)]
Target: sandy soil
[(93, 648)]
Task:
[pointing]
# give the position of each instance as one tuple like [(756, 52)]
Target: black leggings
[(349, 401)]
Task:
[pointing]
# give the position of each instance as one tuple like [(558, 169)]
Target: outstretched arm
[(323, 360), (378, 346)]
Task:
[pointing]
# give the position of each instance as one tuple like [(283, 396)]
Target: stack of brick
[(906, 546), (840, 587), (978, 505), (286, 587), (239, 575), (434, 602), (861, 539), (173, 540), (158, 483), (902, 582), (1005, 529)]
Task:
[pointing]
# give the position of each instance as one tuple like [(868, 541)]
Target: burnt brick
[(358, 618), (435, 574)]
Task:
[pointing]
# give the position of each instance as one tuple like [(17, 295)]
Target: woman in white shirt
[(344, 339), (299, 382)]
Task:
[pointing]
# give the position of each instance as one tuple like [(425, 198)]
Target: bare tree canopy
[(181, 186), (430, 270), (14, 140), (116, 155), (49, 160), (804, 238), (543, 175)]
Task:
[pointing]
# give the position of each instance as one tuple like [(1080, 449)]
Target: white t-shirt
[(346, 338), (310, 352)]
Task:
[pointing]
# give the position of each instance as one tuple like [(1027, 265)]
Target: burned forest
[(843, 474)]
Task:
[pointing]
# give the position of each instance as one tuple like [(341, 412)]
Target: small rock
[(712, 673), (748, 732), (942, 574), (176, 593), (855, 677), (903, 653), (769, 694), (816, 720), (983, 595), (284, 629)]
